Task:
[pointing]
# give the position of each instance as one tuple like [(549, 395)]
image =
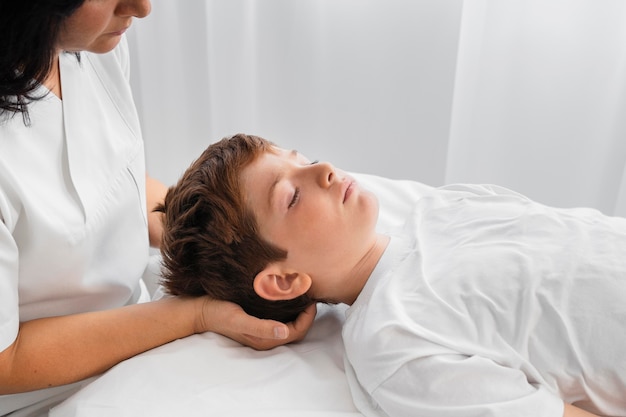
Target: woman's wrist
[(203, 317)]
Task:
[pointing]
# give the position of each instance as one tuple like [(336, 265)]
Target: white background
[(528, 94)]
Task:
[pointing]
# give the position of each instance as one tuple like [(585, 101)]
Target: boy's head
[(210, 240), (266, 228)]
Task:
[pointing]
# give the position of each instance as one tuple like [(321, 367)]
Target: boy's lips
[(349, 184)]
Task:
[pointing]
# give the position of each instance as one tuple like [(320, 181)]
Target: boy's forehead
[(271, 153), (260, 177), (291, 154), (277, 150)]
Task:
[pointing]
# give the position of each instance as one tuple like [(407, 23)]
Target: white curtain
[(540, 100), (529, 94)]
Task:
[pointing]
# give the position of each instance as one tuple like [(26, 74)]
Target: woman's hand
[(230, 320)]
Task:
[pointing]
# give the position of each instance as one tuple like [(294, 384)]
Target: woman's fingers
[(232, 321), (299, 328)]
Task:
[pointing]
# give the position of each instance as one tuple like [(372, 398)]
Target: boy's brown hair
[(210, 239)]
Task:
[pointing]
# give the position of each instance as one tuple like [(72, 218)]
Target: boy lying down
[(484, 304)]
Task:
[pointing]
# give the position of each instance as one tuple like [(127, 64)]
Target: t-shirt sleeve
[(9, 304), (462, 386)]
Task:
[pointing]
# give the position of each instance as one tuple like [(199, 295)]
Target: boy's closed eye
[(296, 193), (295, 198)]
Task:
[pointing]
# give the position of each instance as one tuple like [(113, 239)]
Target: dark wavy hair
[(211, 244), (29, 30)]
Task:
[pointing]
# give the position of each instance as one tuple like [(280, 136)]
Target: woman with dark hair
[(28, 31), (76, 210)]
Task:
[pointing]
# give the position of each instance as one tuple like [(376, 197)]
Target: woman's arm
[(573, 411), (59, 350), (155, 193)]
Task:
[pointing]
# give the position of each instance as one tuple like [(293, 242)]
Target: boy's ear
[(275, 283)]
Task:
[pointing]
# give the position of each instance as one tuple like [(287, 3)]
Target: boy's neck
[(364, 269)]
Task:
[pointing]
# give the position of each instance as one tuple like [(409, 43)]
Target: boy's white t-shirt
[(488, 304)]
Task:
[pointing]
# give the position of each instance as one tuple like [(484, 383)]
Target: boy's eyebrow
[(292, 154)]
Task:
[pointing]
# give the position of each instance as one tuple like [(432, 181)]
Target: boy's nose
[(325, 173)]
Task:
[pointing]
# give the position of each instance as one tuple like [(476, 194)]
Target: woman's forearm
[(59, 350), (572, 411), (155, 193)]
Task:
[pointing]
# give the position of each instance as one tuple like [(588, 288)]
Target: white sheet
[(210, 375)]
